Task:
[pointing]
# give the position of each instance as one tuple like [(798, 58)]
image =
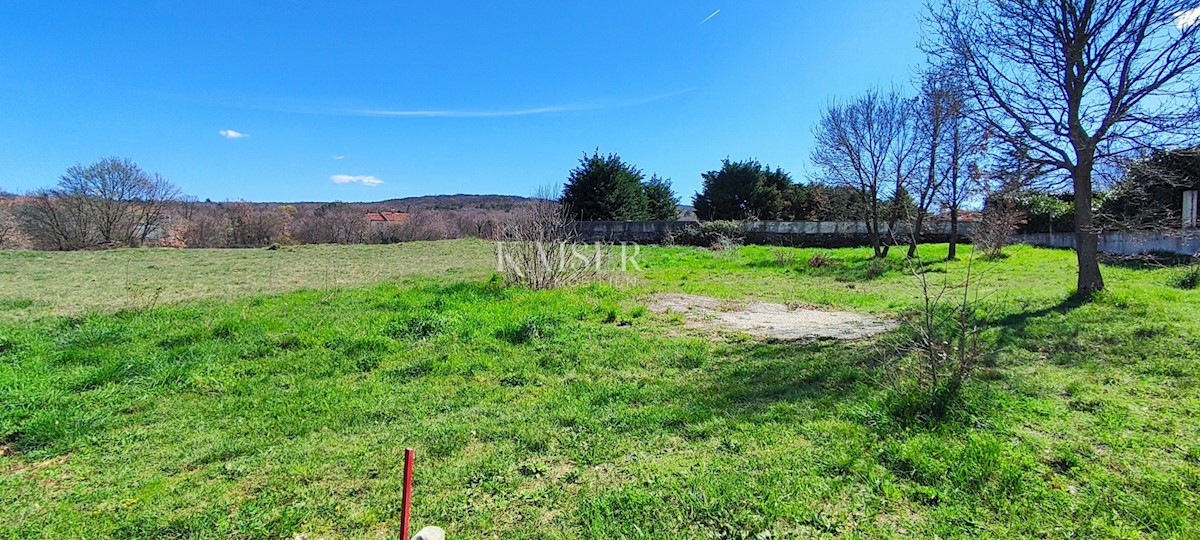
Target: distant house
[(383, 218), (964, 216)]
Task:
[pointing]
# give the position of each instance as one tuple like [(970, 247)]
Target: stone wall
[(1123, 243), (782, 233)]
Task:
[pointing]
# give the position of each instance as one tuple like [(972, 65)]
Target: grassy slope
[(578, 414)]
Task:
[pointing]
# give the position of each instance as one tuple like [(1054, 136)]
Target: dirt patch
[(769, 320)]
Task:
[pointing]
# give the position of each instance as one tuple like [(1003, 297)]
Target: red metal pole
[(406, 511)]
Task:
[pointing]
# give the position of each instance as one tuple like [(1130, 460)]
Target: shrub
[(819, 260), (1189, 278), (540, 249), (1001, 218), (708, 234), (786, 259), (942, 346), (876, 268)]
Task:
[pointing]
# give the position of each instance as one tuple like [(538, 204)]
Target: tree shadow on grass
[(843, 269), (1014, 327), (752, 379), (764, 383), (1148, 261)]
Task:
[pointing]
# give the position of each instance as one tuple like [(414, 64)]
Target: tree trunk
[(953, 252), (872, 222), (916, 233), (1087, 238)]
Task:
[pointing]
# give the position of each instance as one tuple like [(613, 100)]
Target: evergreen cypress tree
[(743, 190), (662, 204), (604, 188)]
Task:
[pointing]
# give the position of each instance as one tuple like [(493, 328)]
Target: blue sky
[(400, 99)]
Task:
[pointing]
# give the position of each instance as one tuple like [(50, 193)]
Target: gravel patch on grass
[(769, 320)]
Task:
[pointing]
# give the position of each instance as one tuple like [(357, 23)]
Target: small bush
[(876, 268), (941, 349), (1189, 278), (786, 259), (541, 249), (709, 234), (819, 260)]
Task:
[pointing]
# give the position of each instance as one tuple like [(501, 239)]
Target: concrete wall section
[(648, 232), (1123, 243), (784, 233)]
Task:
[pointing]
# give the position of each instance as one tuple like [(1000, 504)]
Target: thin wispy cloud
[(709, 18), (451, 113), (1184, 19), (231, 134), (348, 179), (338, 158)]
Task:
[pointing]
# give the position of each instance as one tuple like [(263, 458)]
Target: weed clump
[(1189, 278), (819, 260), (528, 330), (417, 326)]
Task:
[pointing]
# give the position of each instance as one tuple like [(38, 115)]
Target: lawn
[(34, 284), (268, 412)]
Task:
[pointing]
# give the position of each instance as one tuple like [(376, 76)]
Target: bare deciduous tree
[(204, 225), (966, 145), (904, 161), (253, 225), (933, 109), (47, 218), (122, 203), (110, 203), (866, 145), (332, 223), (8, 224), (1082, 82)]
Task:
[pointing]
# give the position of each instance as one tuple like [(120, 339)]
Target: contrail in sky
[(571, 107), (709, 18)]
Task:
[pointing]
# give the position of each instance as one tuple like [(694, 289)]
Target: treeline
[(606, 188), (243, 224), (114, 203)]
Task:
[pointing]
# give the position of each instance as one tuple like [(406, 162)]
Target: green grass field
[(243, 404), (34, 284)]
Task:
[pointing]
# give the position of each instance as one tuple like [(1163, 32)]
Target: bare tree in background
[(904, 161), (253, 225), (123, 204), (8, 225), (331, 223), (857, 145), (110, 203), (1082, 81), (933, 109), (203, 225), (966, 145), (49, 220)]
